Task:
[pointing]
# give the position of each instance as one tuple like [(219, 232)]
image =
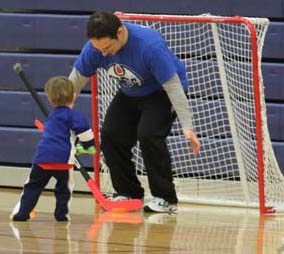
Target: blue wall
[(47, 35)]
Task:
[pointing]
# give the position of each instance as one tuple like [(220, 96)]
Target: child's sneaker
[(64, 219), (160, 205), (17, 217)]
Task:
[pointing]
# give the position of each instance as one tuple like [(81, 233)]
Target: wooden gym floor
[(195, 229)]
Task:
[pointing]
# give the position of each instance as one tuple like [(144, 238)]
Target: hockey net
[(237, 165)]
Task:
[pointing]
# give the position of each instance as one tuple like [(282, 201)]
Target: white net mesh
[(219, 63)]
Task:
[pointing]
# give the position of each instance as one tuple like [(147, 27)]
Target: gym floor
[(195, 229)]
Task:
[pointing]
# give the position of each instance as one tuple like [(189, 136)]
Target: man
[(152, 81)]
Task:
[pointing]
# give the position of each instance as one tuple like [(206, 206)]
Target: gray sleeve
[(179, 101), (78, 80)]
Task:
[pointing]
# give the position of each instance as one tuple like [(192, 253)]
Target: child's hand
[(91, 150), (80, 150)]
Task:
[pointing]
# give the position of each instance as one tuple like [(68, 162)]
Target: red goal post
[(222, 55)]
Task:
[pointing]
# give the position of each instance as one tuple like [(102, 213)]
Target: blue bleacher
[(251, 8), (67, 32), (39, 67), (47, 35)]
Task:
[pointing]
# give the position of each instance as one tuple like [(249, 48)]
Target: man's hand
[(193, 139)]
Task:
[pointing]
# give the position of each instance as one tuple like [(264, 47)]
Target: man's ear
[(119, 32)]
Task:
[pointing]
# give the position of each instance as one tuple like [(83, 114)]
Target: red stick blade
[(111, 205)]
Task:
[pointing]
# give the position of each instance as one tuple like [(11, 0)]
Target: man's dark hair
[(103, 24)]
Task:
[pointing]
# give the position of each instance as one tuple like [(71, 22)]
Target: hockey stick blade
[(109, 205)]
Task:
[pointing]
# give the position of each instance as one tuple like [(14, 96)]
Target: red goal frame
[(256, 83)]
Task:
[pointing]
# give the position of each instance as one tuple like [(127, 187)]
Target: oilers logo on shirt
[(123, 76)]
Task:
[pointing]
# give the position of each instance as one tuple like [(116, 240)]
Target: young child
[(56, 151)]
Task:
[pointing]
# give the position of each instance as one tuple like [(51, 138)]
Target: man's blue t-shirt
[(140, 67)]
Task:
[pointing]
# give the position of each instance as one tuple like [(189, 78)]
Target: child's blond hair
[(60, 91)]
